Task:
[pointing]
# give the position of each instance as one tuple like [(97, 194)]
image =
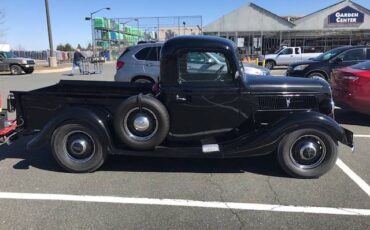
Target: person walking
[(77, 59)]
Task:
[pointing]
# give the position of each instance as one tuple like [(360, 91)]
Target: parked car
[(197, 113), (322, 66), (351, 87), (16, 65), (286, 56), (140, 64)]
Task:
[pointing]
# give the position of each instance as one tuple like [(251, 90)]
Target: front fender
[(314, 120), (95, 118)]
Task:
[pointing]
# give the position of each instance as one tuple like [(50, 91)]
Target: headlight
[(300, 67), (24, 61)]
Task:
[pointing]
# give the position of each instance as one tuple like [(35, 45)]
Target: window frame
[(229, 60)]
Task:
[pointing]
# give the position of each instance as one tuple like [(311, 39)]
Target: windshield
[(8, 55), (278, 51), (328, 55), (362, 66)]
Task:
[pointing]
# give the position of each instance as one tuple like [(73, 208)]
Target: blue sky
[(25, 20)]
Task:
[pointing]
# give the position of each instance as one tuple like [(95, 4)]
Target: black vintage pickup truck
[(196, 110)]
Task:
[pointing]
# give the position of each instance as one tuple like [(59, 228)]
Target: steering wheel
[(218, 73)]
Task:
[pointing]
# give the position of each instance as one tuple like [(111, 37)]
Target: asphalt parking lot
[(157, 193)]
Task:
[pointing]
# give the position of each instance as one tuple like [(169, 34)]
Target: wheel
[(141, 128), (28, 71), (77, 148), (317, 75), (16, 69), (270, 64), (143, 80), (307, 153)]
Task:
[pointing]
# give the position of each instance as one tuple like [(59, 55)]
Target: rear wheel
[(270, 64), (77, 148), (307, 153), (144, 80), (16, 69)]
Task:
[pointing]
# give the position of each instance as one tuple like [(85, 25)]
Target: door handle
[(180, 98)]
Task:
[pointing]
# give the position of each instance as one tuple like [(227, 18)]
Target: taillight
[(119, 65)]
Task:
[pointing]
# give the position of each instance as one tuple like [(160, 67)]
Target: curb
[(53, 70)]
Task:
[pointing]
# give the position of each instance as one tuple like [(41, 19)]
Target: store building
[(259, 31)]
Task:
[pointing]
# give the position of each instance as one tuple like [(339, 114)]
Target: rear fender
[(91, 116)]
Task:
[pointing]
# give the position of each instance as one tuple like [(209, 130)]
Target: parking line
[(360, 135), (351, 174), (185, 203)]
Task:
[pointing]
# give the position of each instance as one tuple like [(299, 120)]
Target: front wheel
[(16, 70), (270, 65), (307, 153), (317, 75), (77, 148)]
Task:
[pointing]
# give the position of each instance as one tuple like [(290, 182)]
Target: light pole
[(92, 26), (184, 23), (52, 58)]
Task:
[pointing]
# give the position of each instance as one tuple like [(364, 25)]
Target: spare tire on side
[(141, 122)]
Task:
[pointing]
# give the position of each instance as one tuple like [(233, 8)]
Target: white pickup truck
[(286, 56)]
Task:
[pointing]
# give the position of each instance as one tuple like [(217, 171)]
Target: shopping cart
[(92, 65)]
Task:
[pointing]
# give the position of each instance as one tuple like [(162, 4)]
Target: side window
[(287, 51), (2, 55), (204, 66), (297, 51), (147, 54), (368, 54), (354, 55)]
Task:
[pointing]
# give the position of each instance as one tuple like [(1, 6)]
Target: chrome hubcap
[(141, 123), (79, 146), (308, 152)]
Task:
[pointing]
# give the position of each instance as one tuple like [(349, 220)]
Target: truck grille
[(30, 62), (287, 102)]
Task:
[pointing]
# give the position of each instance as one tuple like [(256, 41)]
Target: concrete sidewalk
[(61, 68)]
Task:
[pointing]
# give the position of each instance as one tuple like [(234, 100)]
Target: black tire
[(317, 75), (62, 148), (293, 161), (270, 64), (28, 71), (16, 70), (144, 80), (156, 125)]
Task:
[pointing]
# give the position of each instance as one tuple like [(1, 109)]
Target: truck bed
[(35, 108)]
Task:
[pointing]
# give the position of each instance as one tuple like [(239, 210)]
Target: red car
[(351, 87)]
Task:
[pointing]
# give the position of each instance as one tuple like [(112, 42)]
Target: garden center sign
[(347, 15)]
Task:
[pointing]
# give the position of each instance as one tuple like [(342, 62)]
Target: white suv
[(139, 64)]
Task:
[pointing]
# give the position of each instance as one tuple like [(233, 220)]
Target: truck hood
[(16, 60), (284, 85)]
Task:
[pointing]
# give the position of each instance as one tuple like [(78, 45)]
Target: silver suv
[(139, 63)]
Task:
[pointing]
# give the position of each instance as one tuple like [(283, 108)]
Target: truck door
[(205, 101), (285, 57)]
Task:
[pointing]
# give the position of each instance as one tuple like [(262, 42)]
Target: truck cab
[(194, 111), (286, 56)]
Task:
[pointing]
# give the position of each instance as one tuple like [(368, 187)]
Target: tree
[(79, 47), (68, 47), (60, 47), (89, 46)]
